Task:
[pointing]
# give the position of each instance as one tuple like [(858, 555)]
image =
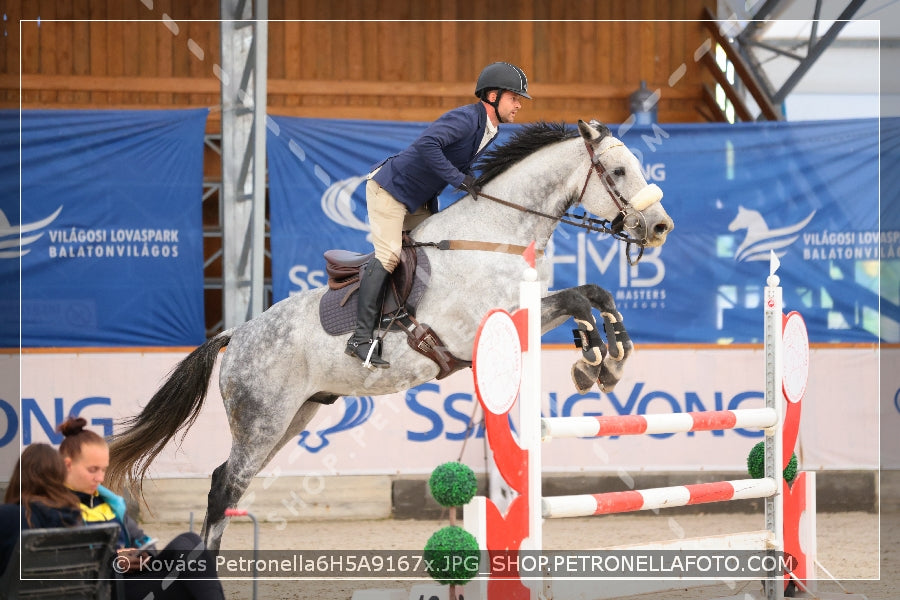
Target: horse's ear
[(593, 132)]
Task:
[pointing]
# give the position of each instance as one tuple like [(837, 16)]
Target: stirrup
[(372, 359)]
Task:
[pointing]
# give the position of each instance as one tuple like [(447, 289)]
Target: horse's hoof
[(606, 381), (582, 378)]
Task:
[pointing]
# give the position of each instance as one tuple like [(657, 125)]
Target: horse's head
[(619, 191)]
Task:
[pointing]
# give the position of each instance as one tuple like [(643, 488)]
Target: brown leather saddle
[(337, 310), (405, 288)]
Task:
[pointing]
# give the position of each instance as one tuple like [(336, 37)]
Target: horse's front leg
[(620, 346), (600, 363)]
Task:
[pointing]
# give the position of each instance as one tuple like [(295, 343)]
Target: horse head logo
[(338, 205), (357, 410), (760, 240), (13, 240)]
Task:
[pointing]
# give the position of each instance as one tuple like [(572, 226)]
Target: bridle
[(628, 217), (614, 228), (604, 176)]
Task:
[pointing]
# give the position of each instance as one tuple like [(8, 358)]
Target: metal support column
[(244, 34)]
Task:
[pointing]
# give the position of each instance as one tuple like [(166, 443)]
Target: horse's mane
[(523, 142)]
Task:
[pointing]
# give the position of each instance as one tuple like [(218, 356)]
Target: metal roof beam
[(816, 48), (759, 17)]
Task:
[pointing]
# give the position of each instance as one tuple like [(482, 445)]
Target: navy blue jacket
[(12, 517), (441, 156)]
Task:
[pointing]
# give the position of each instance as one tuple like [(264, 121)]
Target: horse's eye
[(619, 172)]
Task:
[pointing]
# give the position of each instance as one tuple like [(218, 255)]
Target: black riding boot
[(368, 312)]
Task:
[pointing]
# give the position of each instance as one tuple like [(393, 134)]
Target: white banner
[(412, 432)]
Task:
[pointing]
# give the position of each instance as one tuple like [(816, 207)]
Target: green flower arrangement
[(756, 464), (453, 484), (452, 556)]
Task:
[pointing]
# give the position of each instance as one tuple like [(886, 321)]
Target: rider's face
[(509, 105)]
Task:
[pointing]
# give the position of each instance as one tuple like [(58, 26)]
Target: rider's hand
[(468, 186)]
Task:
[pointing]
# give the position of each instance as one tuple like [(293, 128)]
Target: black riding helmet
[(501, 76)]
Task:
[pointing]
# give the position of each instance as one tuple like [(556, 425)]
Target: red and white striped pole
[(752, 418), (586, 505)]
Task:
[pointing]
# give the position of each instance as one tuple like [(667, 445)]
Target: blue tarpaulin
[(108, 234), (808, 191)]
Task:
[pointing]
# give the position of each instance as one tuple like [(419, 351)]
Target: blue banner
[(809, 191), (107, 233)]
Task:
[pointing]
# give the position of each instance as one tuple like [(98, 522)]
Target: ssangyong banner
[(107, 232), (808, 191), (412, 431)]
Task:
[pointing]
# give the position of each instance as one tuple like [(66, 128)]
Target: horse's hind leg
[(249, 455), (223, 488), (230, 481)]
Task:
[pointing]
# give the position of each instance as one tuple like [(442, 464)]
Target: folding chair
[(62, 563)]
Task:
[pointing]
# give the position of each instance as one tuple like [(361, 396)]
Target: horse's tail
[(173, 408)]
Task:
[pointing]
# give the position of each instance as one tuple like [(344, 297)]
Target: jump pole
[(519, 461), (774, 444)]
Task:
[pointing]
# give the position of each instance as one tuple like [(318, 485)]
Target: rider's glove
[(468, 186)]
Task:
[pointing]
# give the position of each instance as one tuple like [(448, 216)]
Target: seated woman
[(86, 458), (36, 498)]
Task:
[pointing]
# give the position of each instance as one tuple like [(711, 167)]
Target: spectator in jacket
[(86, 456), (400, 190), (36, 498)]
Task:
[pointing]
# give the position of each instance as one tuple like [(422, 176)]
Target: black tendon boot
[(362, 344)]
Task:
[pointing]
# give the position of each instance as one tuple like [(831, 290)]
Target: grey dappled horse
[(281, 366)]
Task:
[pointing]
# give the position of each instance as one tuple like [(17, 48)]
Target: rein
[(613, 228), (583, 221)]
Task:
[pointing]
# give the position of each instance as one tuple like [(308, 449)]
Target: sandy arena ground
[(848, 547)]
